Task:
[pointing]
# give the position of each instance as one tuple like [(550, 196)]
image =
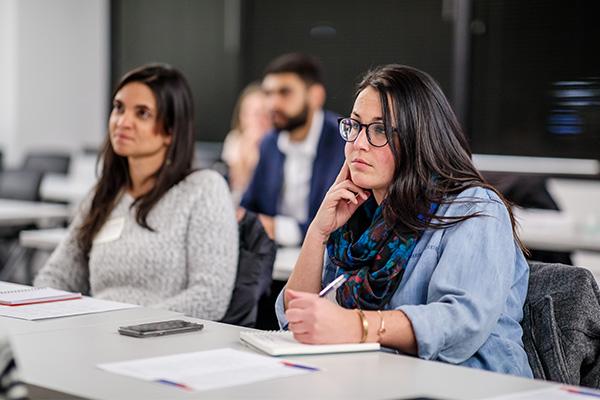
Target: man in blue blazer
[(301, 157)]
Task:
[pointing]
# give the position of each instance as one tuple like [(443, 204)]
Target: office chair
[(16, 185), (561, 324), (20, 185), (56, 163), (254, 273)]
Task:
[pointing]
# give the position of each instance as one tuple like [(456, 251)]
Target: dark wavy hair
[(432, 156), (175, 111), (307, 67)]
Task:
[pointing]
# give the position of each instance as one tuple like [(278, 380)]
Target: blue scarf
[(372, 255)]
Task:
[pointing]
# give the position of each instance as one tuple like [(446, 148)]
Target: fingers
[(344, 173), (301, 300), (292, 294), (240, 213), (357, 190), (350, 192)]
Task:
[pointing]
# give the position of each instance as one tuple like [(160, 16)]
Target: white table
[(42, 239), (16, 326), (18, 212), (285, 260), (555, 230), (65, 188), (65, 360)]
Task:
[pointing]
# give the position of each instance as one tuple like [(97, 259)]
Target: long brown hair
[(432, 154), (236, 123), (175, 113)]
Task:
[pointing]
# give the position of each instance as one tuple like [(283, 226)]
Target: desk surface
[(65, 360), (16, 326), (18, 212), (65, 188), (555, 230)]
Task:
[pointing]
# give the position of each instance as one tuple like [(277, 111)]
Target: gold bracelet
[(364, 325), (381, 329)]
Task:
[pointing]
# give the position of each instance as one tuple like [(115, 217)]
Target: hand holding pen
[(314, 319), (333, 285)]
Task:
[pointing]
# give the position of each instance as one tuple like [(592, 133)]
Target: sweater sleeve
[(67, 268), (211, 252)]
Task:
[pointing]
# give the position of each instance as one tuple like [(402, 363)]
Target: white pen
[(336, 283)]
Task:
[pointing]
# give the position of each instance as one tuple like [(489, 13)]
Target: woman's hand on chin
[(341, 201)]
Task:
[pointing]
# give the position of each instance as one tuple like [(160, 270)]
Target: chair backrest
[(20, 185), (561, 324), (47, 162), (254, 274)]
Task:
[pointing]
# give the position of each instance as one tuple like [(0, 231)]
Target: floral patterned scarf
[(372, 255)]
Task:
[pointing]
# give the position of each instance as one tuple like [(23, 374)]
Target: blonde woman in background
[(249, 123)]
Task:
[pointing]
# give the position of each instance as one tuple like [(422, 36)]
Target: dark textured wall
[(348, 36), (520, 55)]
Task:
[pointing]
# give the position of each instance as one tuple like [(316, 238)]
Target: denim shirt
[(463, 288)]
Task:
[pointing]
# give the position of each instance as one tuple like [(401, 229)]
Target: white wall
[(54, 66), (8, 27)]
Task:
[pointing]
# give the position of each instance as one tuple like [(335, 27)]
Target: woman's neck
[(379, 195), (141, 173)]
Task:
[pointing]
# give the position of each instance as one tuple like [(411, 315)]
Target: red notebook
[(32, 295)]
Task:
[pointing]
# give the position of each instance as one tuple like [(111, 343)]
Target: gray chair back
[(20, 185), (561, 324), (55, 163)]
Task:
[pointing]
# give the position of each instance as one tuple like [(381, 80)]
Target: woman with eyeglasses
[(153, 231), (431, 260)]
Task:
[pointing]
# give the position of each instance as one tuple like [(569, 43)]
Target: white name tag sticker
[(111, 230)]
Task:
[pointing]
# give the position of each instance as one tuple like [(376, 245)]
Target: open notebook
[(278, 343), (32, 295)]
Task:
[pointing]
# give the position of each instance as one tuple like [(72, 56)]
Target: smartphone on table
[(160, 328)]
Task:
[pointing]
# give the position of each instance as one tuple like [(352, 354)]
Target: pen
[(171, 383), (580, 391), (291, 364), (336, 283)]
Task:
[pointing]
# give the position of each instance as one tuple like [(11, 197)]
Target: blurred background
[(523, 78)]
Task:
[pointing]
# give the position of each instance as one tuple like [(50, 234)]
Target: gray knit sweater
[(188, 264)]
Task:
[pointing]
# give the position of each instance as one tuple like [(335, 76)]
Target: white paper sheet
[(85, 305), (553, 393), (206, 370)]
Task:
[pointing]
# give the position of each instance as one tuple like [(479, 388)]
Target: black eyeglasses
[(376, 132)]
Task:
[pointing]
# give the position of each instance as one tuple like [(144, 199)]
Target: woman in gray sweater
[(152, 232)]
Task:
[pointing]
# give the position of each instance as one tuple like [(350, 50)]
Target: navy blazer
[(264, 191)]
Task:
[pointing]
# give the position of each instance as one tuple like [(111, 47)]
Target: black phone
[(160, 328)]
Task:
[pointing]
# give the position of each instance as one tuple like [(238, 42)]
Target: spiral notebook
[(32, 295), (279, 343)]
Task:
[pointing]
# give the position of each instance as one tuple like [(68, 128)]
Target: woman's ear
[(168, 139)]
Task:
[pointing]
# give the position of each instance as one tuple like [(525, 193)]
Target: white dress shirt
[(297, 173)]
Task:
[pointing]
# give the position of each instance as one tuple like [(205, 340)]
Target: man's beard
[(293, 122)]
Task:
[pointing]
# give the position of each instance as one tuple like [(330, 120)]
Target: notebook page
[(28, 295), (283, 343)]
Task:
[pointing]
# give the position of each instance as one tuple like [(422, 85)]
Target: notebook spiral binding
[(31, 289)]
